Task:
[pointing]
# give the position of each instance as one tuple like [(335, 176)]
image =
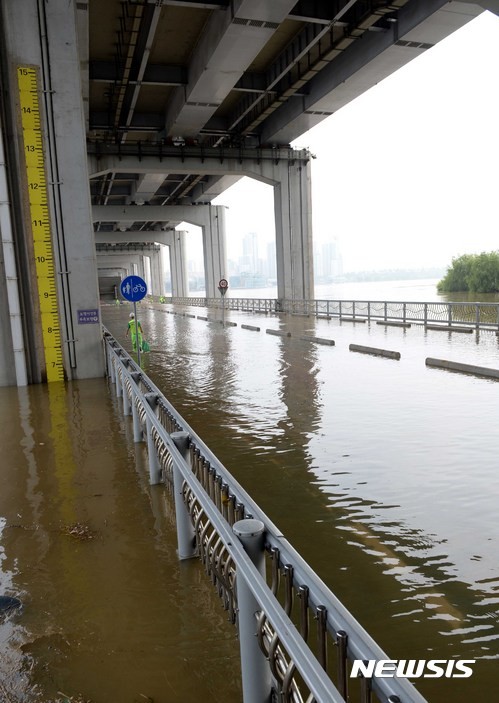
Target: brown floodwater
[(109, 615), (382, 473)]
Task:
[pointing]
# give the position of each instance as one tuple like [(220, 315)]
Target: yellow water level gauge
[(37, 197)]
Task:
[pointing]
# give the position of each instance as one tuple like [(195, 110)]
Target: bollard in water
[(185, 529), (255, 670)]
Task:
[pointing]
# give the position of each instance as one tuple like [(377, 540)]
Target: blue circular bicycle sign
[(133, 288)]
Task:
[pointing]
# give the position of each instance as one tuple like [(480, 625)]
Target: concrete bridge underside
[(128, 259), (147, 112)]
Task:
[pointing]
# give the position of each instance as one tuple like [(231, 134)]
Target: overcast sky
[(407, 175)]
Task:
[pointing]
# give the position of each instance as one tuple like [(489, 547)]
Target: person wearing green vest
[(135, 329)]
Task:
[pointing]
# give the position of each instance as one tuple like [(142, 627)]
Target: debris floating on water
[(78, 530)]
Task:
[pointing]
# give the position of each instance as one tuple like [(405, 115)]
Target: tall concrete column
[(44, 35), (178, 263), (13, 368), (293, 221), (214, 249), (142, 267), (156, 274)]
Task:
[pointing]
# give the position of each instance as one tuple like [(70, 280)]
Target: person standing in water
[(135, 329)]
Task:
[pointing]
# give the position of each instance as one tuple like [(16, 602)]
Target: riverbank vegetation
[(477, 273)]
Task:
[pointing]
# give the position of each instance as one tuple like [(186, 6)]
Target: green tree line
[(477, 273)]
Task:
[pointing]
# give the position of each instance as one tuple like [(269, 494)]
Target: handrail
[(215, 501), (475, 315)]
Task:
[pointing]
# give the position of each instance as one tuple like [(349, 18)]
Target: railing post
[(477, 315), (118, 381), (369, 311), (186, 536), (256, 679), (449, 315), (425, 314), (154, 468), (110, 364), (342, 643), (138, 435), (126, 400)]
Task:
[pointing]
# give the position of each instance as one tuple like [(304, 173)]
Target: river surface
[(423, 290), (382, 473)]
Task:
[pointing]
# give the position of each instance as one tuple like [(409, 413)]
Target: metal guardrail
[(476, 315), (265, 305), (305, 638)]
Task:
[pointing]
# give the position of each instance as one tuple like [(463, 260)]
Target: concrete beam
[(204, 162), (206, 191), (154, 74), (147, 186), (143, 237), (231, 41), (194, 214), (365, 63)]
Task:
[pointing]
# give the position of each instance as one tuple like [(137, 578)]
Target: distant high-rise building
[(271, 267), (328, 261), (250, 252)]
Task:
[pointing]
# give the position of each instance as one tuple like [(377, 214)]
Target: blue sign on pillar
[(133, 288)]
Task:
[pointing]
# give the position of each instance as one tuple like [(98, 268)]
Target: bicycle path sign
[(133, 288)]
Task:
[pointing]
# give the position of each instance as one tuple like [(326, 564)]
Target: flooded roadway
[(109, 614), (382, 473)]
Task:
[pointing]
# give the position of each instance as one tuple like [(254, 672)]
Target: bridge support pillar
[(157, 283), (44, 36), (141, 268), (293, 223), (215, 256), (175, 239)]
